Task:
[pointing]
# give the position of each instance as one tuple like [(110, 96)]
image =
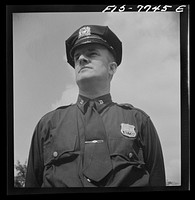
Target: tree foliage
[(19, 178)]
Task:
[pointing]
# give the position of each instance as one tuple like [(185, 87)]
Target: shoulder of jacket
[(52, 113), (126, 105), (131, 107), (64, 107)]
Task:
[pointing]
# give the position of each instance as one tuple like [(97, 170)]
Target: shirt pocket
[(127, 149), (59, 150)]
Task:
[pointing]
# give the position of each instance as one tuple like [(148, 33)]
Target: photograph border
[(184, 89)]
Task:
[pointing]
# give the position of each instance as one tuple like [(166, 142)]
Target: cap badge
[(128, 130), (84, 31)]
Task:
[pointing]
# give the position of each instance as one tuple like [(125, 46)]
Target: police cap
[(90, 34)]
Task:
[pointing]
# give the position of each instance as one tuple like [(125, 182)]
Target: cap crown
[(94, 34)]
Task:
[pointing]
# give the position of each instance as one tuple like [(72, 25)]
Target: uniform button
[(130, 155), (55, 154), (101, 102), (88, 180)]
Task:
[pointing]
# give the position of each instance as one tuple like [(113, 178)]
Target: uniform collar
[(101, 102)]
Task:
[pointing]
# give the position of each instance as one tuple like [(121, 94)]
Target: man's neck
[(94, 93)]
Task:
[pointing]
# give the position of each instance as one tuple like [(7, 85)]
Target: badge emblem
[(128, 130), (85, 31)]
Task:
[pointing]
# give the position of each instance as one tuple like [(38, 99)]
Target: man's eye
[(76, 57)]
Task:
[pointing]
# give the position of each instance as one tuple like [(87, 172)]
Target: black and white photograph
[(97, 98)]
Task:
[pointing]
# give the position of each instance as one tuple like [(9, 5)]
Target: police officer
[(95, 142)]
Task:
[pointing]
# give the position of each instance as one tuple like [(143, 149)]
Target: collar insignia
[(128, 130), (84, 31)]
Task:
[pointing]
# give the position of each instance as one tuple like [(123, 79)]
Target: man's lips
[(85, 68)]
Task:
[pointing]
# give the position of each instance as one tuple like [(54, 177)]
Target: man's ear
[(112, 67)]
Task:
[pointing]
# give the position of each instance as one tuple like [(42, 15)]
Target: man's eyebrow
[(92, 49)]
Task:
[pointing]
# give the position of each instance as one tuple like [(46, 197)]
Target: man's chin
[(85, 78)]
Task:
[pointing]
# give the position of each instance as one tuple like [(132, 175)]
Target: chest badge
[(128, 130)]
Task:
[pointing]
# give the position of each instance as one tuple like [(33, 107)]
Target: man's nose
[(83, 60)]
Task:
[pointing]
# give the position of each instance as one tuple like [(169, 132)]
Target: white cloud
[(69, 95)]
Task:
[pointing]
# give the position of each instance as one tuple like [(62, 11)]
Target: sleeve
[(153, 155), (35, 166)]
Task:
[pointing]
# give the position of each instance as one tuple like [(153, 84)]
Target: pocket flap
[(58, 149)]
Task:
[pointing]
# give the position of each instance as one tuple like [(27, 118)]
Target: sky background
[(148, 77)]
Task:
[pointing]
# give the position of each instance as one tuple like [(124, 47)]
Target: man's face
[(91, 63)]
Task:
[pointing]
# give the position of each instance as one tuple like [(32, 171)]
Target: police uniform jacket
[(56, 153)]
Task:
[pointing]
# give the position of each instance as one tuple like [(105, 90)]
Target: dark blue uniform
[(56, 154)]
